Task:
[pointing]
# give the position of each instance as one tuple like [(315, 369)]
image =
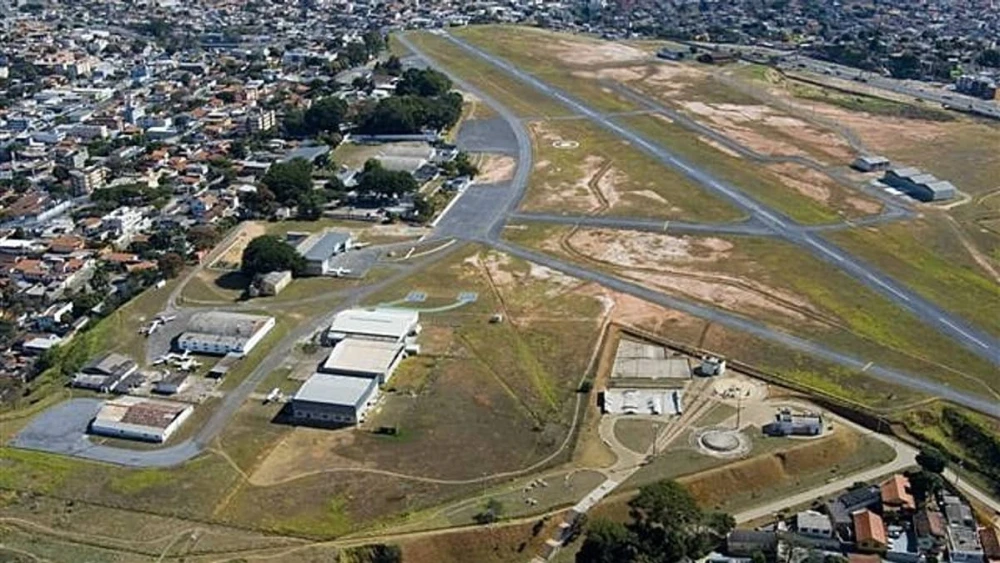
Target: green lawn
[(932, 262)]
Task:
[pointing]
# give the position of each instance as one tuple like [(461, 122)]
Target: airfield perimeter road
[(977, 341), (485, 226)]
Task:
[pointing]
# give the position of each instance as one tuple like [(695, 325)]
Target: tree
[(925, 484), (374, 42), (758, 557), (989, 57), (310, 205), (83, 302), (931, 459), (423, 82), (464, 166), (378, 182), (491, 513), (289, 180), (607, 542), (393, 66), (202, 237), (356, 53), (238, 150), (170, 264), (261, 203), (269, 253), (667, 526), (325, 114)]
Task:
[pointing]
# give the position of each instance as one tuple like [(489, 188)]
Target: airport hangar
[(222, 333), (137, 418), (368, 345)]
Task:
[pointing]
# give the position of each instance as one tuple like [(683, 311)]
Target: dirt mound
[(750, 477)]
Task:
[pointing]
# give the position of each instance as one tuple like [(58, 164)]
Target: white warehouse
[(136, 418), (222, 333), (391, 325)]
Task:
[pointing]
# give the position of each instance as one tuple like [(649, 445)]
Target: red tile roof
[(895, 492), (869, 528)]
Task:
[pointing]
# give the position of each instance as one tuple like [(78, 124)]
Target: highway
[(972, 338), (917, 90)]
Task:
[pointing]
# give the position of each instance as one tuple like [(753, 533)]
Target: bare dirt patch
[(303, 451), (495, 169), (650, 195), (683, 265), (804, 180), (584, 53), (232, 256), (720, 147), (768, 131), (643, 249), (865, 206)]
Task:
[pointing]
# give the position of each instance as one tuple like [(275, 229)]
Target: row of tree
[(423, 100), (666, 525)]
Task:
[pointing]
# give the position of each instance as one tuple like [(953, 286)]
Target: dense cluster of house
[(872, 523)]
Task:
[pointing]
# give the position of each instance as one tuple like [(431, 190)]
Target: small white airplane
[(339, 272), (160, 360), (188, 365), (153, 326), (274, 395), (165, 318), (360, 245)]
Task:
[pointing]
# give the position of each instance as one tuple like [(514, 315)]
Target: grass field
[(759, 183), (608, 176), (933, 263), (547, 62), (778, 468), (520, 98), (776, 282)]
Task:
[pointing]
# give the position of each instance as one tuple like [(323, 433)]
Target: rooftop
[(895, 491), (335, 389), (362, 356), (221, 323), (868, 527), (380, 323), (141, 412)]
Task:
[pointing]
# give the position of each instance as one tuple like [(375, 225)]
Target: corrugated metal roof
[(336, 389), (362, 356), (385, 323)]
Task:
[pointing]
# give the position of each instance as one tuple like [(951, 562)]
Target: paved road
[(974, 339), (918, 90)]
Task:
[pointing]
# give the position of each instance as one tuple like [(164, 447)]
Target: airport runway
[(524, 166), (972, 338)]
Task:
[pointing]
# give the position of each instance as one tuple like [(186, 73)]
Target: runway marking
[(866, 366), (964, 333), (665, 225)]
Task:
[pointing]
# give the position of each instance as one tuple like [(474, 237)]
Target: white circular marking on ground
[(722, 442), (565, 144)]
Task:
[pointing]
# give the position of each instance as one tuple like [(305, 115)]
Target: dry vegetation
[(580, 168)]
